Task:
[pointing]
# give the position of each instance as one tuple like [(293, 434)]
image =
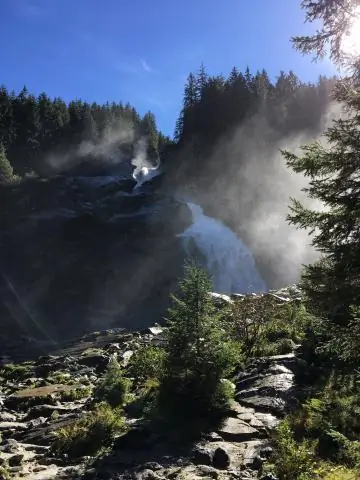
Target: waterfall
[(227, 259), (143, 174)]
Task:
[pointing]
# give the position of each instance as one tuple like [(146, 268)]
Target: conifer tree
[(198, 352), (332, 284)]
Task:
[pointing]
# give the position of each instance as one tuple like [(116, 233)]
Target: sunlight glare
[(351, 40)]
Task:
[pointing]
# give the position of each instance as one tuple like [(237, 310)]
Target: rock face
[(79, 252), (30, 417)]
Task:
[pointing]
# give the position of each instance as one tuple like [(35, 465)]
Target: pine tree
[(198, 353), (337, 18), (148, 129), (332, 284), (7, 127)]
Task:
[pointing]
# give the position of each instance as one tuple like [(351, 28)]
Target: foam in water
[(227, 259)]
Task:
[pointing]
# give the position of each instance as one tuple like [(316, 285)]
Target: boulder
[(99, 362), (265, 404), (235, 430), (221, 459), (202, 456), (15, 460)]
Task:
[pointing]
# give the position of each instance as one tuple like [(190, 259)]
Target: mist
[(105, 148), (254, 198)]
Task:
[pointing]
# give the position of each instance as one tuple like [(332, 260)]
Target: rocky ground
[(39, 397)]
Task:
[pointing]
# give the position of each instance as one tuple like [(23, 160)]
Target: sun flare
[(351, 40)]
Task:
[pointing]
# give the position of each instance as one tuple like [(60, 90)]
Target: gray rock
[(221, 299), (11, 446), (221, 459), (268, 420), (47, 410), (99, 362), (126, 357), (13, 426), (270, 385), (252, 454), (153, 465), (148, 475), (211, 472), (16, 460), (202, 456), (213, 437), (235, 430), (264, 404), (156, 330), (7, 417)]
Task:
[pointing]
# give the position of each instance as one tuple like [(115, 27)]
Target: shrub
[(89, 434), (198, 353), (146, 364), (4, 474), (292, 460), (113, 387), (11, 371), (75, 393), (6, 170), (265, 328)]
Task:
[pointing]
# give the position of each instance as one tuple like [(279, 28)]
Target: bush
[(146, 364), (265, 328), (75, 393), (89, 434), (292, 460), (199, 354), (113, 387), (4, 474), (6, 170), (17, 372)]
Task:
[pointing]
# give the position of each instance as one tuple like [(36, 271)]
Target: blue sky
[(141, 51)]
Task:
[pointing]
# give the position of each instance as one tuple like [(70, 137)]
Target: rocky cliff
[(78, 252)]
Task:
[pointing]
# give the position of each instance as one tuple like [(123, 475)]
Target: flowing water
[(226, 258)]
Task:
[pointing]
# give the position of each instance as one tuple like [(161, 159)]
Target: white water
[(144, 174), (228, 260)]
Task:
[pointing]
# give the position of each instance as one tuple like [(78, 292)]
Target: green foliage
[(292, 460), (264, 327), (76, 393), (4, 473), (34, 128), (333, 418), (113, 387), (198, 353), (146, 364), (89, 434), (336, 21), (6, 170), (16, 372)]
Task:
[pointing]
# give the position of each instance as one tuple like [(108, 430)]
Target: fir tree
[(332, 284), (198, 352)]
